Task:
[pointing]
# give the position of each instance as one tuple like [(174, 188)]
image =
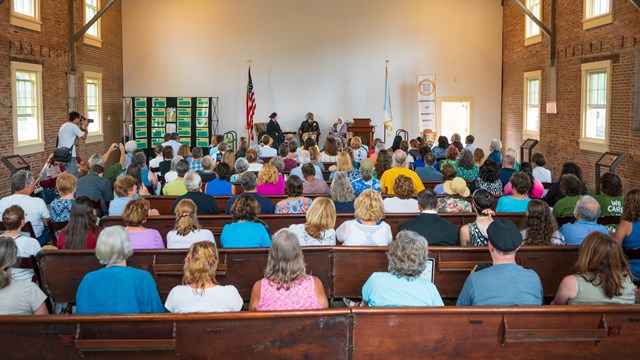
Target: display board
[(190, 117)]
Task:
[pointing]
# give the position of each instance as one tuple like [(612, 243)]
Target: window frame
[(90, 39), (529, 75), (535, 38), (94, 136), (26, 21), (29, 146), (590, 143), (440, 100), (590, 22)]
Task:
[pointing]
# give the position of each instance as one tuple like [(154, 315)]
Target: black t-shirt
[(206, 177)]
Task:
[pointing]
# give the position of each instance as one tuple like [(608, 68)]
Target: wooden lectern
[(363, 129)]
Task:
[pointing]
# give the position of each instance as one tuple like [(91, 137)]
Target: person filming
[(76, 127)]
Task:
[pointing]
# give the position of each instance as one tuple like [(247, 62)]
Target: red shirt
[(92, 239)]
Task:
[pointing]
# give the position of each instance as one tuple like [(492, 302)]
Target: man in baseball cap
[(505, 283)]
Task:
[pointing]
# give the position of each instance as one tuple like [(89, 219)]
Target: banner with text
[(427, 102)]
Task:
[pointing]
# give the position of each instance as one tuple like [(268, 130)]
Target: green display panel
[(202, 142), (140, 112), (157, 132), (202, 133), (141, 122), (202, 112), (159, 102), (155, 142), (141, 143), (184, 112), (184, 131), (202, 122), (184, 122), (184, 102), (141, 102), (159, 112), (203, 102), (157, 122), (141, 133), (186, 142)]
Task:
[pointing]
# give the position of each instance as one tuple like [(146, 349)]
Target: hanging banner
[(426, 102)]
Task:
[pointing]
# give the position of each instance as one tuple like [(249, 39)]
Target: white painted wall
[(326, 56)]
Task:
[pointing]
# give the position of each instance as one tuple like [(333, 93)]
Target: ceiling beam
[(635, 3), (95, 18), (533, 17)]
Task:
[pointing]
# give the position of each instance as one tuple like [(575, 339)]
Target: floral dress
[(467, 174), (454, 205), (493, 187), (296, 206)]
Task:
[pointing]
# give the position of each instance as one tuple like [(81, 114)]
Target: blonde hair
[(200, 266), (66, 184), (321, 216), (186, 217), (8, 258), (369, 206), (344, 162), (135, 212), (229, 157), (285, 263), (403, 187), (356, 143), (184, 151), (268, 174)]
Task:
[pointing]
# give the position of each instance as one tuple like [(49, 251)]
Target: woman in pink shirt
[(269, 181), (286, 284), (135, 214), (537, 189)]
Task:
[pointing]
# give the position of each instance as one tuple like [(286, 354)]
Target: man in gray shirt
[(67, 135)]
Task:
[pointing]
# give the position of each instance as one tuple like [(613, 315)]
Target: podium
[(363, 129)]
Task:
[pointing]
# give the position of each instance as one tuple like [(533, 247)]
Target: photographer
[(76, 127)]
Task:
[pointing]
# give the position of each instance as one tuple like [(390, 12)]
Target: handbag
[(62, 154)]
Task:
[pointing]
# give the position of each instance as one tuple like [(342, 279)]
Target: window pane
[(597, 88), (533, 91), (600, 7), (91, 9), (93, 104), (25, 7), (595, 122), (26, 106), (531, 28)]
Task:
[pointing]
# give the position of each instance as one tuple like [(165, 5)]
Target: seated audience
[(117, 288), (452, 155), (283, 151), (345, 165), (419, 156), (513, 153), (155, 162), (628, 232), (494, 152), (449, 173), (241, 168), (587, 212), (468, 141), (135, 214), (184, 151), (382, 164), (95, 186), (295, 203), (505, 283), (403, 285), (51, 169), (248, 182), (292, 148), (112, 172), (36, 212), (440, 151), (246, 231), (176, 187), (129, 147), (265, 147), (399, 168), (537, 189), (286, 284), (252, 158), (186, 230), (330, 151), (571, 187), (342, 193), (206, 205), (413, 149), (508, 169), (83, 230), (610, 199), (521, 185), (17, 297), (601, 275), (172, 174), (554, 194), (196, 161), (489, 178), (222, 149), (541, 226), (366, 180), (367, 229), (539, 172), (304, 158), (220, 186), (200, 292), (145, 179), (435, 229), (13, 221), (243, 146), (229, 158), (379, 146), (269, 181), (216, 141), (318, 230), (208, 174), (60, 207), (475, 233), (359, 151), (311, 183), (314, 157), (428, 171), (165, 165), (478, 157), (126, 190), (455, 203), (403, 201)]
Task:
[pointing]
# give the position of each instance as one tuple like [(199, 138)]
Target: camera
[(83, 119)]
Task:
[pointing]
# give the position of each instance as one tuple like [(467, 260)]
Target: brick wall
[(560, 133), (50, 48)]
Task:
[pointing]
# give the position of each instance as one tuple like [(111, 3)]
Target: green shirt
[(610, 205), (565, 206), (175, 187), (112, 172)]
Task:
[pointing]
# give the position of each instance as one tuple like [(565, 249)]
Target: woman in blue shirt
[(518, 202), (118, 288), (220, 185), (246, 231)]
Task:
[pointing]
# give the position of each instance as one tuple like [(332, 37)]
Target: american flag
[(251, 106)]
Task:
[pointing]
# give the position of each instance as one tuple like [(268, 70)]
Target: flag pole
[(248, 129)]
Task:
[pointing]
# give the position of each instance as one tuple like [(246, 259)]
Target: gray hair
[(466, 159), (95, 159), (407, 255), (196, 152), (113, 245), (248, 181), (241, 165), (174, 162), (130, 146), (192, 181), (182, 167), (341, 190), (286, 260), (587, 209), (278, 163), (8, 258), (222, 147), (456, 137), (380, 146), (139, 158), (509, 160), (20, 180), (399, 158), (496, 144), (304, 157), (208, 163), (366, 175)]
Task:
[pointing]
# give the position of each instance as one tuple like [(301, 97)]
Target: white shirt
[(329, 238), (254, 167), (67, 136), (185, 299), (170, 176), (175, 241), (353, 233), (268, 151), (397, 205), (174, 144), (542, 174), (155, 162), (34, 210), (27, 246)]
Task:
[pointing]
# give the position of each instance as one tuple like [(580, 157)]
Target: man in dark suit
[(435, 229)]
